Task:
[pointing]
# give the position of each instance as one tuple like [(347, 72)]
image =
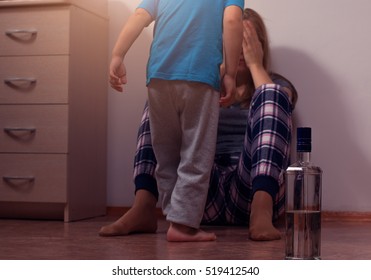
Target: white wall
[(323, 48), (125, 109)]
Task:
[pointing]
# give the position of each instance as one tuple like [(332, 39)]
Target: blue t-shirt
[(187, 43)]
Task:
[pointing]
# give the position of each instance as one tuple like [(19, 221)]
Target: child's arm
[(130, 32), (232, 40)]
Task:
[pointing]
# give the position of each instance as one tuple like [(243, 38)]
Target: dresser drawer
[(33, 128), (33, 178), (34, 30), (34, 79)]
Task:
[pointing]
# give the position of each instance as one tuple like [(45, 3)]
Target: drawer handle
[(12, 32), (18, 181), (19, 82), (19, 178), (12, 130)]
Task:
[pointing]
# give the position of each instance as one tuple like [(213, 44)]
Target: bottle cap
[(304, 139)]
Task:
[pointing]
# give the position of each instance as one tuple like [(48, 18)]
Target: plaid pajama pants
[(235, 178)]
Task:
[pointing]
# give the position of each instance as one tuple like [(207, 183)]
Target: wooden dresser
[(53, 109)]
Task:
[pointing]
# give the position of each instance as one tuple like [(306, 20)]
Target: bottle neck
[(304, 157)]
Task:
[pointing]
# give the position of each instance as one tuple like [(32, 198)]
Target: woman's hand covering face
[(252, 48)]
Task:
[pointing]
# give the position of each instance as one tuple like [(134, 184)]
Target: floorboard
[(55, 240)]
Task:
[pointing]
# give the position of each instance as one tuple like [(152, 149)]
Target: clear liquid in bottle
[(303, 203)]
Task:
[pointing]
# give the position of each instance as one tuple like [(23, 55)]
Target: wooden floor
[(55, 240)]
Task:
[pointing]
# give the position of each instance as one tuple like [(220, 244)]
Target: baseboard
[(326, 215), (346, 216)]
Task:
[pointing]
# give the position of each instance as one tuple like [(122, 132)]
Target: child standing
[(183, 83)]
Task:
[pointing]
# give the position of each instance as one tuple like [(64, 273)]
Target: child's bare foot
[(141, 218), (261, 227), (181, 233)]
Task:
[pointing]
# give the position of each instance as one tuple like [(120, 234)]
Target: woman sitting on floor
[(253, 148)]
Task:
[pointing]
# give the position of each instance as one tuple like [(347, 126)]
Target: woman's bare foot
[(181, 233), (141, 218), (261, 227)]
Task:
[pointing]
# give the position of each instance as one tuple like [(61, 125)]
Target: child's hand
[(228, 91), (117, 75)]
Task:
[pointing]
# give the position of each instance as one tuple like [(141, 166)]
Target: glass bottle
[(303, 202)]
